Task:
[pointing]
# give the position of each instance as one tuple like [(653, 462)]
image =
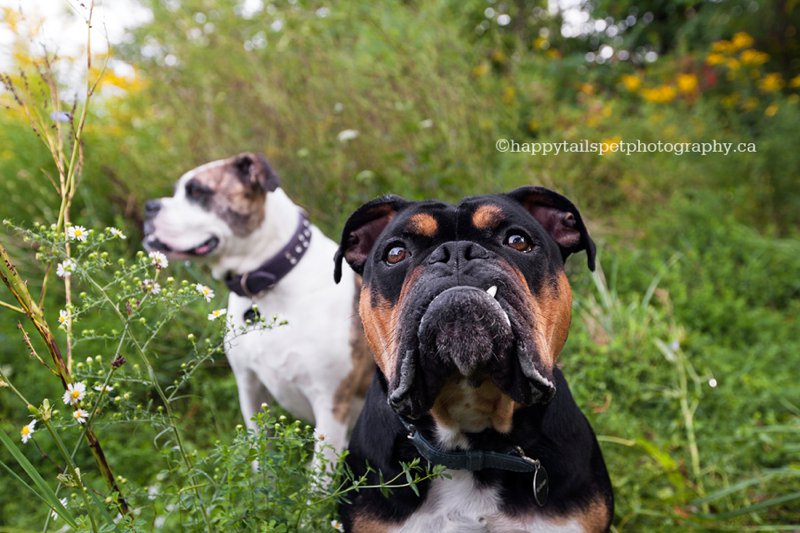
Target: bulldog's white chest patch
[(460, 505)]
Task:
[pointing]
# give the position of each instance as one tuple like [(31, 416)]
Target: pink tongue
[(200, 250)]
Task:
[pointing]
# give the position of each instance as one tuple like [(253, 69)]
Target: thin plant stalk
[(71, 467), (19, 289)]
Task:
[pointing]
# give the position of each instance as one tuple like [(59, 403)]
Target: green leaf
[(42, 489), (110, 525), (772, 502)]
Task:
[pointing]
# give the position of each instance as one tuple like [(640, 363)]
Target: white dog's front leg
[(331, 437), (252, 394)]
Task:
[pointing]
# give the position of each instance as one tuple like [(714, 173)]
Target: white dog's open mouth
[(206, 247)]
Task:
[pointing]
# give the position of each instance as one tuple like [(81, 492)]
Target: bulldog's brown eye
[(196, 191), (396, 254), (519, 242)]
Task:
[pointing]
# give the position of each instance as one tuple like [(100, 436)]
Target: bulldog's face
[(466, 307), (214, 206)]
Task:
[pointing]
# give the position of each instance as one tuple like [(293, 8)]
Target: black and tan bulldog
[(466, 308)]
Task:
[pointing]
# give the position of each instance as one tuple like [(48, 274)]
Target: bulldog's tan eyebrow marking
[(423, 224), (487, 216)]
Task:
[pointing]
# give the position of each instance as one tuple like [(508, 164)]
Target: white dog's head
[(214, 210)]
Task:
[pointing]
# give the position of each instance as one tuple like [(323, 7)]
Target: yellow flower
[(794, 83), (753, 57), (498, 56), (741, 40), (541, 43), (553, 54), (659, 95), (687, 83), (722, 47), (587, 89), (771, 82), (481, 70), (715, 59), (730, 100), (610, 144), (509, 94), (631, 82), (771, 110), (732, 64), (749, 104)]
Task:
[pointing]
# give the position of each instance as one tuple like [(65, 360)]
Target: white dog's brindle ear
[(362, 229), (255, 171), (560, 218)]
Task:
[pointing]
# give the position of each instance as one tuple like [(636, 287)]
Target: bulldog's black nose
[(151, 208), (455, 252)]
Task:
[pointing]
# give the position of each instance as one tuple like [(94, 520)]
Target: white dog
[(234, 215)]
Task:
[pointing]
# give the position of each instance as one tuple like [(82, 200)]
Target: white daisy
[(159, 260), (338, 526), (65, 268), (27, 431), (80, 416), (77, 233), (117, 233), (53, 514), (100, 388), (216, 313), (347, 135), (74, 393), (151, 286), (204, 291), (63, 317)]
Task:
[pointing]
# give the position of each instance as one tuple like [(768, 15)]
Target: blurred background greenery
[(684, 348)]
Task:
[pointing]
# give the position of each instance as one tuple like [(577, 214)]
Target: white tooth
[(508, 320), (492, 291)]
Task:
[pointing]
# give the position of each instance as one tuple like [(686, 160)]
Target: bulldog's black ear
[(560, 218), (362, 229), (254, 170)]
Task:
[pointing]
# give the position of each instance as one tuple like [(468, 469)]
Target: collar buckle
[(521, 454)]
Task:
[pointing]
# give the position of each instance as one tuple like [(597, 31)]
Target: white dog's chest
[(458, 505), (300, 361), (278, 366)]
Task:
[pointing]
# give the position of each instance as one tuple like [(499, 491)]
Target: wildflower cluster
[(122, 304), (733, 70)]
